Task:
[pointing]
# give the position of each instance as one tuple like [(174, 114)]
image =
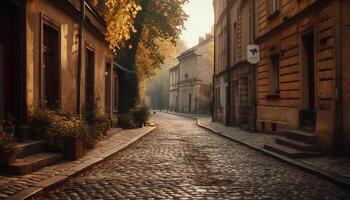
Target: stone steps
[(290, 152), (302, 136), (33, 163), (297, 144), (30, 157), (301, 146), (28, 148)]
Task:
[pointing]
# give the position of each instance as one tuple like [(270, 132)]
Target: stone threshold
[(327, 175), (103, 151)]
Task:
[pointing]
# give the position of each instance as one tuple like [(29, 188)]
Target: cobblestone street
[(182, 161)]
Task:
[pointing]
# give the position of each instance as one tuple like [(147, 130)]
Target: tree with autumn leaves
[(142, 33)]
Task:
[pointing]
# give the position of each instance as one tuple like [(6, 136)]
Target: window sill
[(273, 96), (274, 15)]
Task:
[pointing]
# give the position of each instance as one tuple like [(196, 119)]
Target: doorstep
[(36, 183)]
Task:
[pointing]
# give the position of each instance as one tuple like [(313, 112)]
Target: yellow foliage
[(119, 15)]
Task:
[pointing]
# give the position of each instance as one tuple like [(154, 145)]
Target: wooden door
[(308, 114), (108, 88), (90, 78), (10, 60)]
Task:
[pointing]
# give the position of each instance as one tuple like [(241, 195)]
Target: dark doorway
[(50, 70), (89, 78), (308, 114), (108, 88), (115, 90), (10, 60), (189, 103)]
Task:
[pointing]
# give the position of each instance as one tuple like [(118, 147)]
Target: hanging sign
[(253, 52)]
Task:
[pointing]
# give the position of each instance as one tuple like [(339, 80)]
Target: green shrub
[(53, 126), (141, 114), (98, 125), (7, 138), (126, 121)]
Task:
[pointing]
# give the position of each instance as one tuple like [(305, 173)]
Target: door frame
[(90, 48), (304, 70)]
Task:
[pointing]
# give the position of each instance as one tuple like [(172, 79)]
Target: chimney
[(200, 40)]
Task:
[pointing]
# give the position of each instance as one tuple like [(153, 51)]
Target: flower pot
[(74, 148), (7, 158)]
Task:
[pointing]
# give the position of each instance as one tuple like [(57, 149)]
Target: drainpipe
[(80, 51), (213, 92), (338, 137), (228, 68), (254, 99)]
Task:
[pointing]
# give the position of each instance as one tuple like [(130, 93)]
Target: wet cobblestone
[(182, 161)]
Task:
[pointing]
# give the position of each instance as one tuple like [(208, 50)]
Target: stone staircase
[(296, 144), (31, 156)]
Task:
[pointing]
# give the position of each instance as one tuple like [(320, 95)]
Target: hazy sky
[(200, 21)]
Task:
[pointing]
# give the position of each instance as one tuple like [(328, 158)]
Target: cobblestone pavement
[(182, 161), (339, 165), (117, 139)]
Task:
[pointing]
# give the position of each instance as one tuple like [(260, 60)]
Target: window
[(235, 42), (273, 7), (274, 76), (89, 78), (108, 88), (218, 101), (50, 80)]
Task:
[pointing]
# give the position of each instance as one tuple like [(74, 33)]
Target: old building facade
[(241, 34), (195, 71), (40, 60), (302, 78), (221, 77), (174, 88)]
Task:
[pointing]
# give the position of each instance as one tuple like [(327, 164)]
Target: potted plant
[(7, 142), (74, 138)]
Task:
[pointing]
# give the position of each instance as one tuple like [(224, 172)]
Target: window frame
[(47, 21), (273, 8), (274, 76)]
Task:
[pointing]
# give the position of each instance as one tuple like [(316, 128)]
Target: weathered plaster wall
[(68, 52), (69, 31)]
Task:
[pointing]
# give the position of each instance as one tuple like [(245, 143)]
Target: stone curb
[(329, 176), (40, 188)]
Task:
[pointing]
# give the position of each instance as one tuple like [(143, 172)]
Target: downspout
[(338, 137), (228, 65), (254, 109), (213, 92), (80, 51)]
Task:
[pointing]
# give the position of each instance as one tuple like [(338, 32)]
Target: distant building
[(193, 75), (221, 75), (174, 88)]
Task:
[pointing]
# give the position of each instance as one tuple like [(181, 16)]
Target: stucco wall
[(205, 67), (37, 10)]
